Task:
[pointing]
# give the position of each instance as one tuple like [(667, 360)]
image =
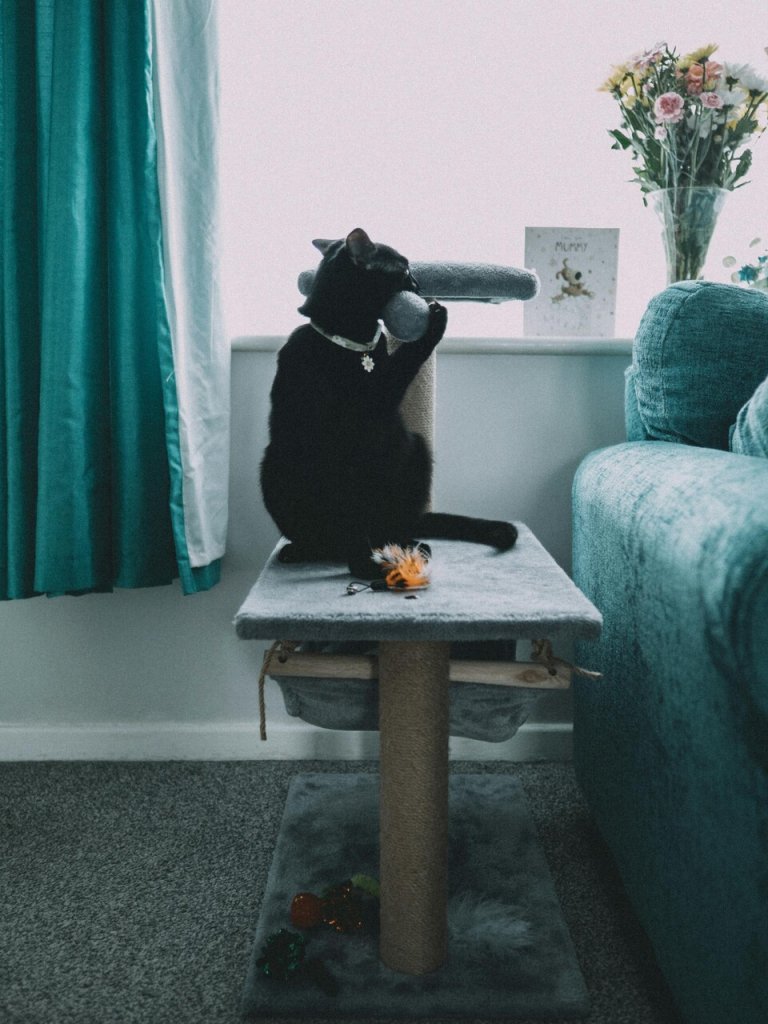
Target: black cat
[(341, 474)]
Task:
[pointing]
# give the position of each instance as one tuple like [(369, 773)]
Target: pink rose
[(700, 75), (694, 79), (669, 107), (711, 100)]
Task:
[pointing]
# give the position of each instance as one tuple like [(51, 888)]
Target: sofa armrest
[(687, 528), (671, 746)]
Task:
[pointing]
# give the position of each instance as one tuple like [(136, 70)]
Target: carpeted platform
[(506, 595), (510, 953)]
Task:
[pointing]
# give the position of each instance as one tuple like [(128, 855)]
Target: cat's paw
[(363, 567), (438, 320)]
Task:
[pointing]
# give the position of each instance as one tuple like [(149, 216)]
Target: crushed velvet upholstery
[(749, 434), (701, 350), (671, 747)]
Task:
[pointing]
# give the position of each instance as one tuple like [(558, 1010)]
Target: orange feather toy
[(403, 568)]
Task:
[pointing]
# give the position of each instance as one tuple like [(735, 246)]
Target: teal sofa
[(670, 535)]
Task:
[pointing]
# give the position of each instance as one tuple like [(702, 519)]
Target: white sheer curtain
[(186, 88)]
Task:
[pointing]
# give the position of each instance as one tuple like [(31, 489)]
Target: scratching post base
[(413, 720), (509, 952)]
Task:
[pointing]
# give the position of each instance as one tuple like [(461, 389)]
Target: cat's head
[(367, 255), (355, 281)]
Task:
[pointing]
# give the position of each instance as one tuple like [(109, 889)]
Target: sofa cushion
[(701, 350), (749, 434)]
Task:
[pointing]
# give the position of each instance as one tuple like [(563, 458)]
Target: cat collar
[(355, 346)]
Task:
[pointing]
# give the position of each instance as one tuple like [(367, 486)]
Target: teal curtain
[(88, 463)]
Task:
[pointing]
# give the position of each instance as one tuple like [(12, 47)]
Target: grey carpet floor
[(129, 892)]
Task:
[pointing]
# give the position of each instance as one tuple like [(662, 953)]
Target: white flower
[(730, 97), (746, 77), (734, 71), (367, 363), (660, 132)]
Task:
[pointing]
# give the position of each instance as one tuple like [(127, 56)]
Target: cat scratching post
[(521, 593), (418, 406), (413, 725), (413, 720)]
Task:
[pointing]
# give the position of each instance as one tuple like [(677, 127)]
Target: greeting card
[(577, 269)]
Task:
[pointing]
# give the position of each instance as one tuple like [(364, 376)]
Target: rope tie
[(280, 649), (541, 651)]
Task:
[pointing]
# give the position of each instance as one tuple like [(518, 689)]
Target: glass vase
[(688, 216)]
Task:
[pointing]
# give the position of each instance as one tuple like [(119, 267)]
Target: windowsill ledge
[(480, 346)]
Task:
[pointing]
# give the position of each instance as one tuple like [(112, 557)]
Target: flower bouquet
[(687, 122)]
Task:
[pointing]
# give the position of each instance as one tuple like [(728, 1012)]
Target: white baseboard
[(234, 741)]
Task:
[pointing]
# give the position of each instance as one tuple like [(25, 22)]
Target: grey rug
[(131, 891), (510, 953)]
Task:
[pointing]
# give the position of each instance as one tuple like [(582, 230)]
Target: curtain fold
[(89, 440), (184, 37)]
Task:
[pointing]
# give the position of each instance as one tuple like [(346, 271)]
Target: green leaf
[(622, 139), (745, 162)]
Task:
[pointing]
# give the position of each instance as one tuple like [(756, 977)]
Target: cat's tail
[(444, 526)]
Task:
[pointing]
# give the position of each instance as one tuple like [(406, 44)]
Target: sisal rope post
[(413, 725), (413, 827), (418, 406)]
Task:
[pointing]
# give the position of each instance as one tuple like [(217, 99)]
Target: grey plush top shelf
[(475, 594)]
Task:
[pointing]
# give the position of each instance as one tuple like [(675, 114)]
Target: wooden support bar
[(494, 673)]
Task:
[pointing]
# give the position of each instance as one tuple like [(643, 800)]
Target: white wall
[(150, 673)]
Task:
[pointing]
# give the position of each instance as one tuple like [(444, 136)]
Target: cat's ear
[(323, 244), (359, 245)]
